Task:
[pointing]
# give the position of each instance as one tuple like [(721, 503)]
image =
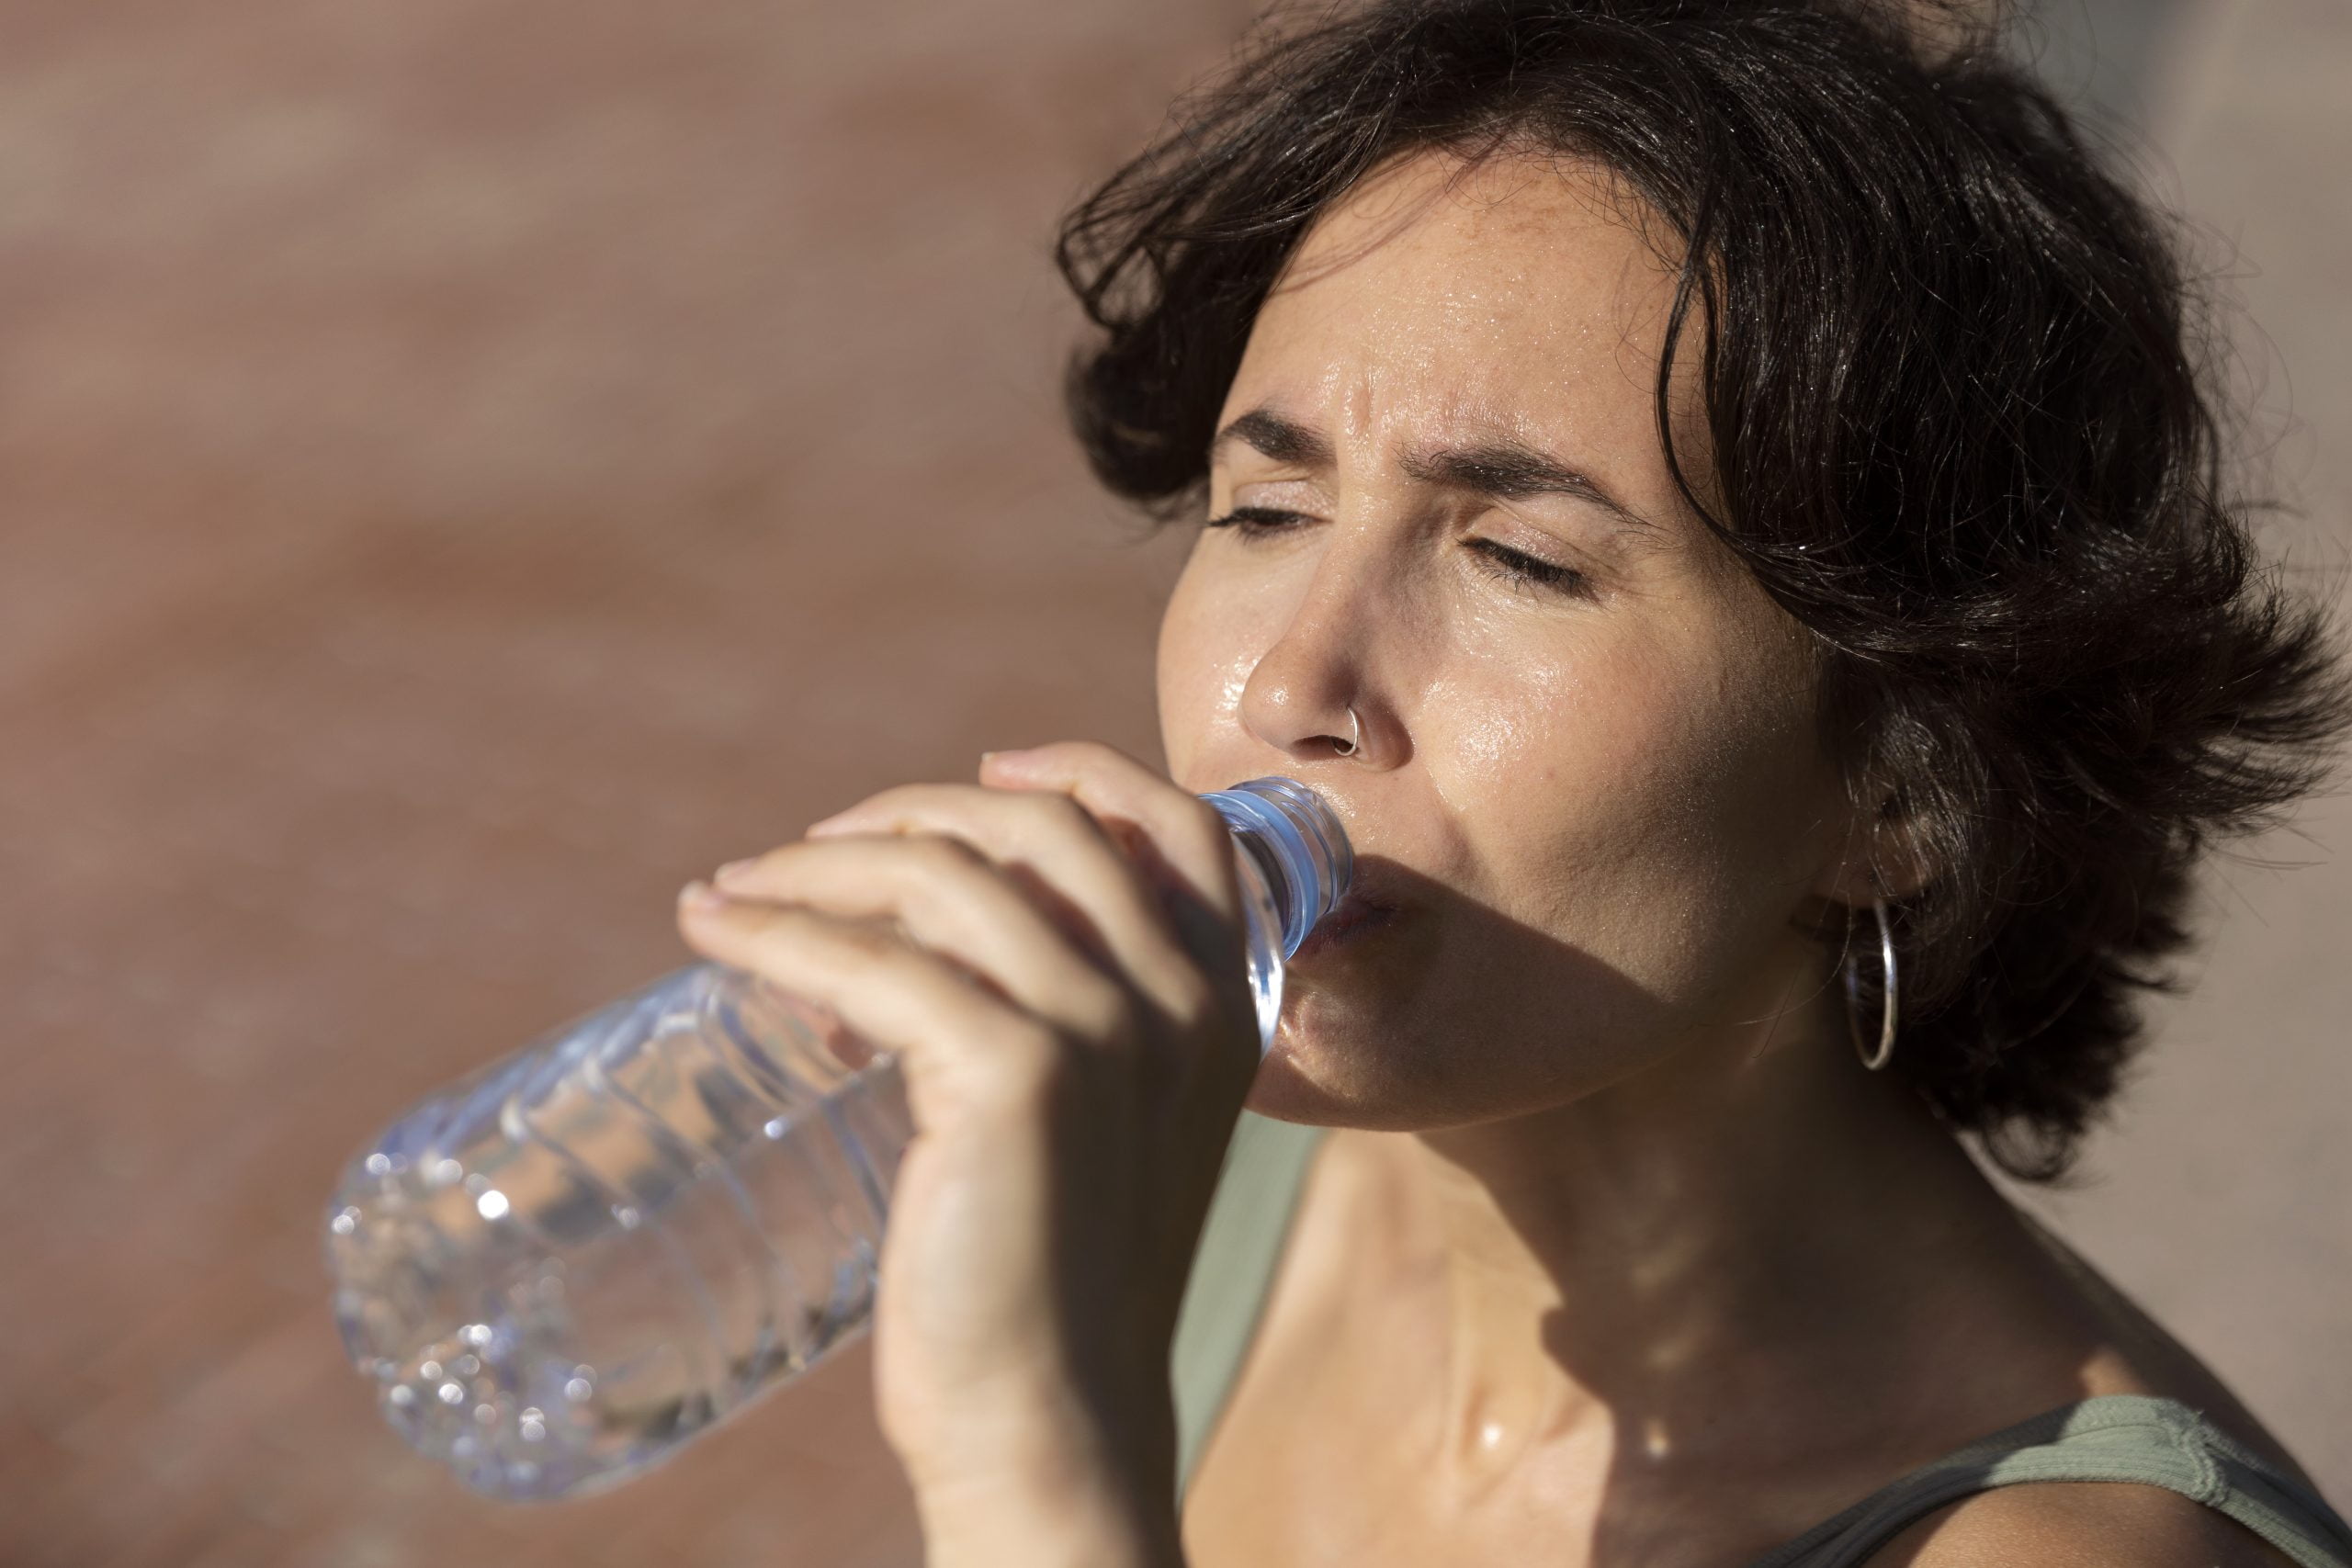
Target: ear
[(1885, 855)]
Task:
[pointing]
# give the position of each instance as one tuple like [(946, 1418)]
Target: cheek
[(1202, 665), (1591, 750), (1499, 735), (1641, 802)]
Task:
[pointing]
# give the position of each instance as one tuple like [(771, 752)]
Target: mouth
[(1356, 914)]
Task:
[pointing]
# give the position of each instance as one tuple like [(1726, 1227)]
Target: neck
[(1694, 1255)]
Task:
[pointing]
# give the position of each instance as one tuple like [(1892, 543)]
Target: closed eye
[(1498, 561)]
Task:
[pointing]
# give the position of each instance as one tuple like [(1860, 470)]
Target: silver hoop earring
[(1355, 734), (1873, 1060)]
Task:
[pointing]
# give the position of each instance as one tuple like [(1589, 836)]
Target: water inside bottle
[(499, 1272)]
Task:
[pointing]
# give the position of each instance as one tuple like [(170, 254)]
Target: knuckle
[(1053, 810), (1206, 827), (859, 944), (1105, 1010), (912, 793), (1029, 1064), (1193, 1003), (940, 854)]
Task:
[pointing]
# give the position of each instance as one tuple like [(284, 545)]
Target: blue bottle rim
[(1298, 826)]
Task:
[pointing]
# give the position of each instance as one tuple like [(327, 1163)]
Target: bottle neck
[(1293, 836)]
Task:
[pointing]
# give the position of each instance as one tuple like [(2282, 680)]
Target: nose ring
[(1355, 734)]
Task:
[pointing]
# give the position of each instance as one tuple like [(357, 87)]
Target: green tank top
[(2132, 1437)]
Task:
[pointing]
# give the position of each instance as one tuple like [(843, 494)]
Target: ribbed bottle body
[(564, 1266)]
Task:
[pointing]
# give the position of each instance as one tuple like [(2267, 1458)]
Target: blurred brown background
[(466, 468)]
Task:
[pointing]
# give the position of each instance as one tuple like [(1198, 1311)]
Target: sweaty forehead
[(1518, 291), (1507, 243)]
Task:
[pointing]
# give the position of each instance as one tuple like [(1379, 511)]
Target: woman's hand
[(1064, 984)]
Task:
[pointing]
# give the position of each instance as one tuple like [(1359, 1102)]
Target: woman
[(1717, 498)]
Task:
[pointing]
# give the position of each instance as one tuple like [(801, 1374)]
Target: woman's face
[(1598, 802)]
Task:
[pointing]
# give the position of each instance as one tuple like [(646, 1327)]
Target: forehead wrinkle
[(1411, 353), (1481, 462)]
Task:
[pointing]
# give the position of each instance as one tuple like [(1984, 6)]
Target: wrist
[(1052, 1500), (1035, 1523), (1058, 1531)]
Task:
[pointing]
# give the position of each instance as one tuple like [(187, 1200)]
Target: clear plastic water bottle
[(561, 1268)]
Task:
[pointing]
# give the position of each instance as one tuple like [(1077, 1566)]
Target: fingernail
[(734, 869), (699, 894)]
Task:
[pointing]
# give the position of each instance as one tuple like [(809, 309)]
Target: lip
[(1355, 915)]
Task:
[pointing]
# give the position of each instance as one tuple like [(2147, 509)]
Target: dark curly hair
[(1958, 432)]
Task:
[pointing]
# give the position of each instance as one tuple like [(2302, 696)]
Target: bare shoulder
[(2141, 1356), (2104, 1524)]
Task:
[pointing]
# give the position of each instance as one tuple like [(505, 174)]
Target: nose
[(1312, 695)]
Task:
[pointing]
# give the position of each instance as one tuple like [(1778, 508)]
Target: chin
[(1338, 1076), (1341, 1061)]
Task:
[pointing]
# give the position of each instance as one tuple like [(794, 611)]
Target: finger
[(961, 1045), (950, 897), (1048, 871), (1181, 839), (1058, 851)]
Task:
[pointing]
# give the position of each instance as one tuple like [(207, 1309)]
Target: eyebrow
[(1508, 470)]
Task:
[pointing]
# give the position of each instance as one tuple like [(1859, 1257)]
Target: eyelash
[(1523, 572)]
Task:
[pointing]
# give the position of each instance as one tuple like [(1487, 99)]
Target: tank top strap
[(2121, 1438), (2129, 1438), (1233, 1271)]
